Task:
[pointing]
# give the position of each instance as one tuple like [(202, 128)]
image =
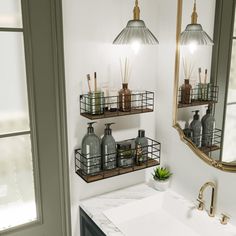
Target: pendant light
[(136, 32), (194, 34)]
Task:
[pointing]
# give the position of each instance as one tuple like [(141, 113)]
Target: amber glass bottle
[(125, 98), (186, 90)]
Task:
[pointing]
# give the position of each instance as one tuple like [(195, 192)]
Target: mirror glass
[(229, 139), (205, 81)]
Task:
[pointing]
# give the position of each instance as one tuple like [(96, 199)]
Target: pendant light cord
[(136, 11)]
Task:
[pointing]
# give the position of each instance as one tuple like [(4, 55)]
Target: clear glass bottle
[(141, 147), (124, 154), (125, 98), (91, 152), (186, 90)]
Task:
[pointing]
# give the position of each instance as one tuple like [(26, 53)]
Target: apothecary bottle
[(186, 90), (125, 98)]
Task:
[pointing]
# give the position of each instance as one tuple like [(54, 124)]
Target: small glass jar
[(125, 154), (94, 102)]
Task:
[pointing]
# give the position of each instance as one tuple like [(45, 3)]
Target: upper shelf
[(204, 94), (95, 106)]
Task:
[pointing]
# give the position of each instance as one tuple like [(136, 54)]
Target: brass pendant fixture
[(136, 31), (194, 33)]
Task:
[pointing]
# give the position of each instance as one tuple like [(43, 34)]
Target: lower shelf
[(210, 149), (123, 161), (115, 172)]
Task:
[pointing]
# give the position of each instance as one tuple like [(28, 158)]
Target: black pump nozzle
[(107, 130), (196, 115), (90, 127), (209, 109)]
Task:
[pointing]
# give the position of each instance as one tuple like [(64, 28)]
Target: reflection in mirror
[(205, 100), (228, 152)]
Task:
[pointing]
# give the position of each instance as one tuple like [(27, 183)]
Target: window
[(17, 187), (224, 73), (230, 116)]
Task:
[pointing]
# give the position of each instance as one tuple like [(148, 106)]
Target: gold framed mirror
[(211, 67)]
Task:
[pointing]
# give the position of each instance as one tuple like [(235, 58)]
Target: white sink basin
[(167, 214)]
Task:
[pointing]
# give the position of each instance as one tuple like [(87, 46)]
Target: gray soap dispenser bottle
[(91, 151), (108, 149), (208, 125), (141, 147), (195, 126), (187, 131)]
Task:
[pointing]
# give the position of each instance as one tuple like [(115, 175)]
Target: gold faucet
[(201, 205)]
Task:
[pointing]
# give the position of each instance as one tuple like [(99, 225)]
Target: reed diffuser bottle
[(125, 98), (186, 88), (125, 93)]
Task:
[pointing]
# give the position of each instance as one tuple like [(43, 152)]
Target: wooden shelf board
[(109, 114), (195, 103), (209, 149), (117, 171)]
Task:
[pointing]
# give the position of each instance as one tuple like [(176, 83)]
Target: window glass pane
[(10, 13), (13, 90), (235, 23), (230, 119), (17, 196), (232, 77)]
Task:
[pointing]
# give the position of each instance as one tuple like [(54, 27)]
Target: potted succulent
[(161, 178)]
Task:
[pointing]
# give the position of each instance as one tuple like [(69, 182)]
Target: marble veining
[(95, 206)]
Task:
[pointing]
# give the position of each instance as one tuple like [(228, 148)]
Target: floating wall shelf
[(125, 162), (96, 107), (199, 96)]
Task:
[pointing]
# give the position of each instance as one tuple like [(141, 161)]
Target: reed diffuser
[(125, 93), (186, 88)]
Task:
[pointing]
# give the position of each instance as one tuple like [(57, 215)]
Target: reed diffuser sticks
[(125, 71), (188, 69)]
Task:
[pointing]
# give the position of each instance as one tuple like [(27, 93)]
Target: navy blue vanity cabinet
[(87, 226)]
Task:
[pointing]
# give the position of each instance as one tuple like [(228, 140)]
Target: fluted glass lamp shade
[(194, 33), (136, 31)]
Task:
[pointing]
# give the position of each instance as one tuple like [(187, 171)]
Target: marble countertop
[(95, 206)]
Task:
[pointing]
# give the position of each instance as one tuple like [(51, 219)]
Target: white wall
[(89, 28)]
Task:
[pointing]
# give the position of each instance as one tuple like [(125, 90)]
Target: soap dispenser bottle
[(195, 126), (108, 149), (91, 151), (141, 147), (187, 131), (208, 125)]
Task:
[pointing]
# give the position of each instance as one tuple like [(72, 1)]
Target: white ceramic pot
[(161, 185)]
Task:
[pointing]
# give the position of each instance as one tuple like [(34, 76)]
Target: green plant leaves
[(161, 173)]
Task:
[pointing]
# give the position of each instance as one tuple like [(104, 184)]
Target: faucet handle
[(224, 219), (200, 204)]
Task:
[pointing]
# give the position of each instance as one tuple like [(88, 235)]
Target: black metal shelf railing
[(96, 168), (96, 106), (208, 142), (201, 95)]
